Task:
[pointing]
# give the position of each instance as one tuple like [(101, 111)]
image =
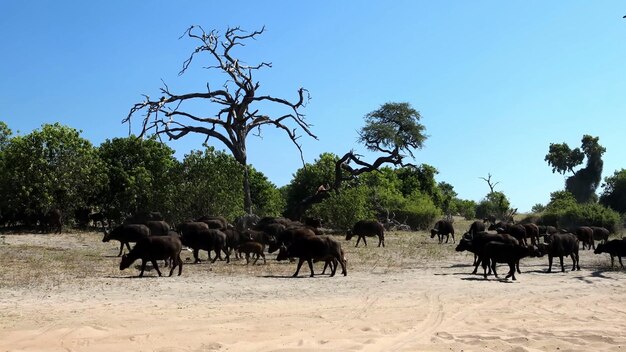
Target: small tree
[(237, 107), (614, 193), (585, 181), (50, 167)]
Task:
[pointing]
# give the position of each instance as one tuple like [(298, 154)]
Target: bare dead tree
[(491, 185), (238, 103)]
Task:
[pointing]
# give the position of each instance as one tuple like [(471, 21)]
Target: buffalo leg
[(121, 249), (561, 260), (493, 268), (550, 263), (577, 259), (195, 255), (620, 261), (156, 267), (517, 266), (358, 239), (485, 265), (511, 270), (300, 261), (310, 261), (227, 255), (143, 267), (364, 241)]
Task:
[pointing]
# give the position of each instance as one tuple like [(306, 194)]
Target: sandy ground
[(417, 307)]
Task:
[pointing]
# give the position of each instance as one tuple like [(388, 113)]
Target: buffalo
[(207, 240), (560, 245), (443, 228), (475, 243), (615, 248), (126, 233), (311, 248), (152, 249), (367, 228), (498, 252)]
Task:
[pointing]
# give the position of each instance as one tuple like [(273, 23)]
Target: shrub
[(420, 212)]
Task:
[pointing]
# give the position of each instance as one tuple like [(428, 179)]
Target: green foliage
[(383, 188), (444, 197), (614, 193), (564, 211), (5, 135), (140, 176), (562, 158), (495, 203), (538, 208), (420, 212), (50, 167), (344, 209), (209, 183), (267, 200), (393, 125), (308, 178), (585, 181), (464, 207)]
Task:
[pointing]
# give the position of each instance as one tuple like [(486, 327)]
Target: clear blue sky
[(495, 81)]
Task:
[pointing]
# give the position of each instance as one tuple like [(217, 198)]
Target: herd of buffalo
[(510, 243), (500, 242)]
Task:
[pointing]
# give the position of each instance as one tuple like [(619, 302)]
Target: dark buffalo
[(497, 252), (532, 232), (153, 249), (615, 248), (52, 220), (158, 227), (311, 248), (585, 235), (515, 230), (443, 228), (127, 233), (252, 248), (214, 222), (560, 245), (207, 240), (287, 236), (98, 217), (476, 243), (600, 233), (367, 228)]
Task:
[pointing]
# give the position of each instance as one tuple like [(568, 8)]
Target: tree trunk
[(247, 200)]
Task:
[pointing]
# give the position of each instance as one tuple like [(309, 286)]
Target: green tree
[(5, 135), (50, 167), (307, 180), (495, 203), (342, 210), (585, 181), (267, 199), (464, 207), (139, 175), (208, 184), (614, 191), (538, 208)]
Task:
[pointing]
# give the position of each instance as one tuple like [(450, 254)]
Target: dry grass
[(36, 260)]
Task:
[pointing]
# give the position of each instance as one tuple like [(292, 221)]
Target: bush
[(589, 214), (420, 212), (343, 210)]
